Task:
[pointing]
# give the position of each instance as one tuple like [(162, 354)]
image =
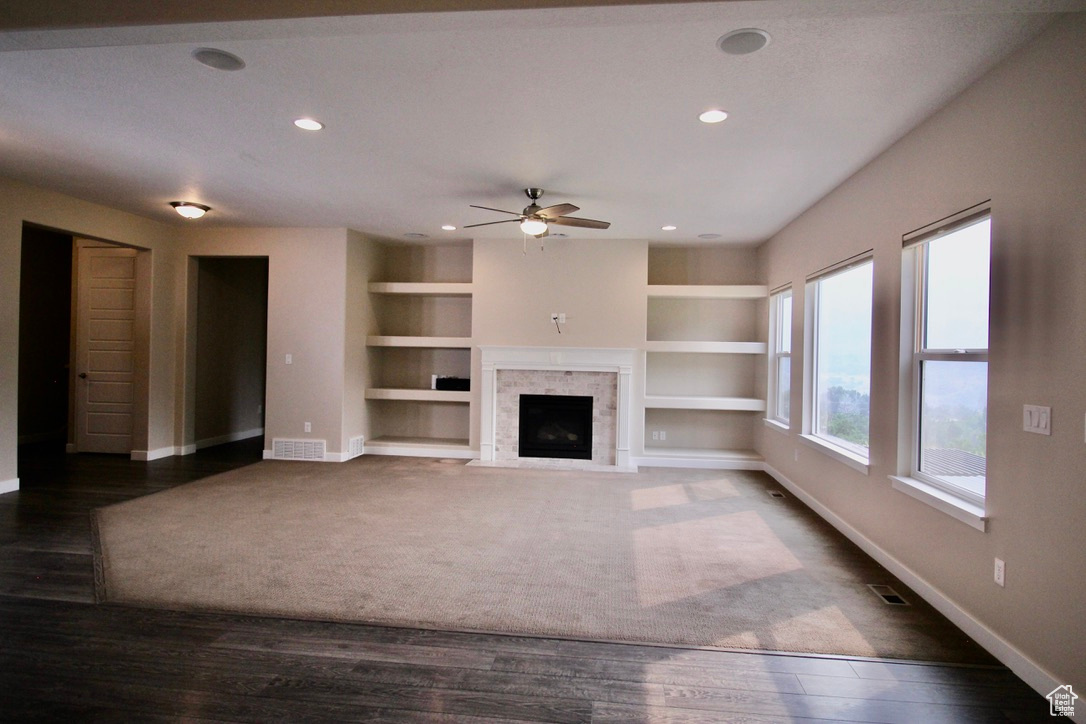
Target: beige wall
[(19, 203), (307, 292), (598, 284), (1016, 137), (363, 258)]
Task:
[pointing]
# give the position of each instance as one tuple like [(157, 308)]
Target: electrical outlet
[(309, 427), (1000, 572), (663, 434), (561, 317), (290, 359), (259, 409), (655, 434)]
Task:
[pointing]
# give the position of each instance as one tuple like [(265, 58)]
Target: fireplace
[(602, 374), (556, 426)]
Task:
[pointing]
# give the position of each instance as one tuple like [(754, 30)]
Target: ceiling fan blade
[(489, 223), (553, 212), (500, 211), (583, 223)]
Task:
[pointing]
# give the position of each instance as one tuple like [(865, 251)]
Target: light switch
[(290, 359), (1038, 419)]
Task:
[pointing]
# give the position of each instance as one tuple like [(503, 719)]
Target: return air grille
[(887, 594), (298, 449), (355, 447)]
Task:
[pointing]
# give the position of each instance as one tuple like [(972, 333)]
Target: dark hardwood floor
[(65, 658)]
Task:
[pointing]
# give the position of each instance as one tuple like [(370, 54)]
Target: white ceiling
[(427, 113)]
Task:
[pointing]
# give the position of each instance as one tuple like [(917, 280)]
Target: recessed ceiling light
[(714, 115), (708, 236), (308, 124), (669, 227), (743, 41), (449, 227), (416, 235), (218, 59), (190, 210)]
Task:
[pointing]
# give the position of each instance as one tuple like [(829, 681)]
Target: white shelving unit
[(406, 411), (703, 316)]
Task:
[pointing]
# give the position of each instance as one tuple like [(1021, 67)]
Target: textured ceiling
[(427, 113)]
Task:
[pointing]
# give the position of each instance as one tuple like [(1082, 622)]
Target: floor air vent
[(298, 449), (775, 494), (887, 594)]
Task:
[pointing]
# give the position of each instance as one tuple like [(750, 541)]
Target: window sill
[(955, 507), (776, 425), (839, 454)]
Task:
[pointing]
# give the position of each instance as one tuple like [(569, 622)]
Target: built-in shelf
[(671, 402), (440, 447), (385, 393), (431, 342), (700, 458), (423, 289), (708, 291), (706, 347)]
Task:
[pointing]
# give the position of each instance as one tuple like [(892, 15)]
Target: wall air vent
[(355, 447), (298, 449), (887, 594)]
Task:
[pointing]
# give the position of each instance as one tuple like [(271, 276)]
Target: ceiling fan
[(534, 219)]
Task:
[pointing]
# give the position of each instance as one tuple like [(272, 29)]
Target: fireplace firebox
[(555, 426)]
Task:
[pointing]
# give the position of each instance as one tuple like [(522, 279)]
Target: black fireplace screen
[(556, 426)]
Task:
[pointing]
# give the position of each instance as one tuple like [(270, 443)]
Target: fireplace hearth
[(555, 426)]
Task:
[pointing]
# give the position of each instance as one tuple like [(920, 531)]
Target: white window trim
[(959, 504), (851, 458), (774, 357)]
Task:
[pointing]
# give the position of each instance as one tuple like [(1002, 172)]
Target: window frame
[(776, 354), (850, 454), (915, 248)]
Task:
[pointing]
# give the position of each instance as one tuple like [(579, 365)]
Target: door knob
[(82, 375)]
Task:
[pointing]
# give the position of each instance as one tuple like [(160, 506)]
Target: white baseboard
[(223, 439), (1024, 667), (9, 486), (147, 455)]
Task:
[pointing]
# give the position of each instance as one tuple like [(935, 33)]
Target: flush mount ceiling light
[(190, 210), (714, 115), (308, 124), (743, 41), (218, 59), (449, 227)]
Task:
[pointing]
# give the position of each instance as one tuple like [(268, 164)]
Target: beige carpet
[(702, 558)]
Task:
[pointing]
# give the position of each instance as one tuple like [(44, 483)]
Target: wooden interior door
[(105, 348)]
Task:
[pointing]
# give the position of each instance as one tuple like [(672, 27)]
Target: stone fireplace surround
[(603, 373)]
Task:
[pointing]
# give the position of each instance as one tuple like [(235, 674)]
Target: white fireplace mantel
[(566, 359)]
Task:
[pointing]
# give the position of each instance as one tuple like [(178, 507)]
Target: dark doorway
[(555, 426), (45, 335), (231, 349)]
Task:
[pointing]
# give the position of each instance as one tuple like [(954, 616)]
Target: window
[(949, 385), (838, 392), (780, 356)]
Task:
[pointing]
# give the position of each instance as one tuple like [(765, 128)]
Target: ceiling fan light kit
[(536, 220)]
